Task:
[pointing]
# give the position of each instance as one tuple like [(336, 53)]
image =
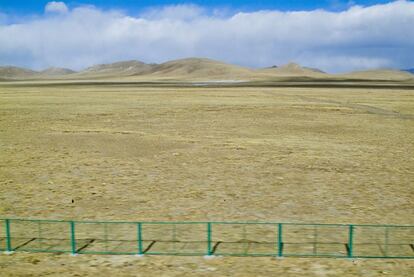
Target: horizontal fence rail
[(208, 238)]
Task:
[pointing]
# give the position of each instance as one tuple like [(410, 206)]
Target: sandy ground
[(128, 153), (23, 264)]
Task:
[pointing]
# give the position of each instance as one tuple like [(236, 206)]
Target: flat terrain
[(123, 152)]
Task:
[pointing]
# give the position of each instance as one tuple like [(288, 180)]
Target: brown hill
[(379, 74), (56, 71), (200, 69), (196, 69), (125, 68), (13, 72), (293, 70)]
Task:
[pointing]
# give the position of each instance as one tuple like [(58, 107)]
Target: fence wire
[(208, 238)]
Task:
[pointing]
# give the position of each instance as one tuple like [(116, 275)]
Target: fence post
[(351, 241), (8, 237), (209, 248), (279, 240), (139, 236), (315, 240), (39, 233), (386, 241), (73, 238)]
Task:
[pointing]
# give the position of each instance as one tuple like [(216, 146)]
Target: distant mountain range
[(411, 70), (193, 69)]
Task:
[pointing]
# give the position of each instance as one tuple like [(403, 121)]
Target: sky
[(332, 35)]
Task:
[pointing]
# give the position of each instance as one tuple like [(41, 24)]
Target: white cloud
[(56, 7), (357, 38)]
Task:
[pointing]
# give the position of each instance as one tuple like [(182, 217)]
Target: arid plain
[(126, 152)]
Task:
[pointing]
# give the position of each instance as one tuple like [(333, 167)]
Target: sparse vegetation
[(140, 153)]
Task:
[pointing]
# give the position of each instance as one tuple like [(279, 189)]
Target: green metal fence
[(208, 238)]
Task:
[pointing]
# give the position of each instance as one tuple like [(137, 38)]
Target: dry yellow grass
[(269, 154)]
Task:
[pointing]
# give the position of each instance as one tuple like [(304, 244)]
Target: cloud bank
[(358, 38), (56, 7)]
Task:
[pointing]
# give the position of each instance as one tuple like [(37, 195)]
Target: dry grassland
[(220, 154)]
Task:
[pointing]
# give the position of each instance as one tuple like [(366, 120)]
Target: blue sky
[(134, 6), (334, 35)]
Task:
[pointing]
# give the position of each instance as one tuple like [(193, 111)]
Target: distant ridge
[(200, 68), (56, 71), (411, 70), (124, 68), (379, 74), (14, 72), (294, 69), (196, 69)]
